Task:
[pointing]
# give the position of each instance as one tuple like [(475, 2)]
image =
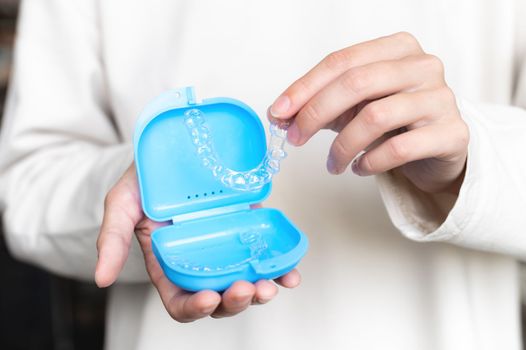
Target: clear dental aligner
[(253, 239), (249, 180)]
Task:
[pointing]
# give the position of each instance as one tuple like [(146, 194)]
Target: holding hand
[(123, 216), (386, 97)]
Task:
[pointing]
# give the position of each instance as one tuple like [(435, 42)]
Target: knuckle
[(302, 87), (448, 96), (340, 149), (375, 115), (156, 277), (110, 198), (398, 149), (99, 243), (366, 165), (463, 135), (355, 80), (336, 60), (406, 38), (433, 63), (310, 112)]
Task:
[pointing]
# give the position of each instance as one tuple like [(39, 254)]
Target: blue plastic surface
[(205, 246)]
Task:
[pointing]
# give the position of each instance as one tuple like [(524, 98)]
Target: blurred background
[(39, 310)]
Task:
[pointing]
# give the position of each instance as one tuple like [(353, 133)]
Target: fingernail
[(261, 301), (243, 298), (208, 309), (293, 134), (280, 106), (355, 166), (331, 165)]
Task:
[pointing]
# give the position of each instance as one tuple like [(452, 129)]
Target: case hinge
[(210, 212)]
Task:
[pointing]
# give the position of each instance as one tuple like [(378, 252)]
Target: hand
[(122, 217), (386, 97)]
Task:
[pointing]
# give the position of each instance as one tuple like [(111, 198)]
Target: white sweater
[(84, 69)]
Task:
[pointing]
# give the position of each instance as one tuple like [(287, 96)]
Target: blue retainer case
[(213, 238)]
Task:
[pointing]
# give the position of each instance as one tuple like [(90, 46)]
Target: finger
[(290, 280), (235, 299), (166, 289), (384, 115), (265, 291), (122, 211), (182, 306), (363, 83), (187, 307), (431, 141), (390, 47)]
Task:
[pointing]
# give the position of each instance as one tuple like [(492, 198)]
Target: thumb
[(122, 212)]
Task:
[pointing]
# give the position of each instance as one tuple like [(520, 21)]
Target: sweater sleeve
[(60, 150), (488, 213)]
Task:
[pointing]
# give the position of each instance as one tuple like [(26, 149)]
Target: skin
[(392, 109), (124, 218), (386, 97)]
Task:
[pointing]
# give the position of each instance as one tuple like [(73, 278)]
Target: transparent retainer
[(253, 240), (249, 180)]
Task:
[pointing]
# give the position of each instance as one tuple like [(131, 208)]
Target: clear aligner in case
[(252, 239), (249, 180)]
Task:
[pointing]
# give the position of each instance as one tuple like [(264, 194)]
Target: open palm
[(123, 216)]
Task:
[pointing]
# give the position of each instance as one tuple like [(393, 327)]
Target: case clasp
[(190, 96)]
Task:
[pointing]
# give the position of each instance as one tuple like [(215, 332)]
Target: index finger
[(390, 47)]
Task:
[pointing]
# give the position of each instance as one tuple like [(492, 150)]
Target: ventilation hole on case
[(273, 266), (205, 194), (177, 94)]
